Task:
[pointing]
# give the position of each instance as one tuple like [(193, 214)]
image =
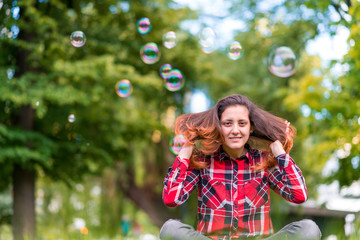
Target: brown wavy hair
[(203, 130)]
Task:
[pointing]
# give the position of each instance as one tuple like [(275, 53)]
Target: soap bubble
[(143, 25), (165, 70), (150, 53), (207, 40), (123, 88), (174, 81), (78, 39), (169, 39), (235, 51), (176, 143), (282, 62), (207, 36), (71, 118), (208, 49)]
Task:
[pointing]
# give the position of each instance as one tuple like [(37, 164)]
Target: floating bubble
[(282, 62), (71, 118), (207, 40), (174, 81), (235, 51), (207, 36), (208, 49), (143, 25), (150, 53), (176, 143), (123, 88), (169, 39), (165, 70), (78, 39)]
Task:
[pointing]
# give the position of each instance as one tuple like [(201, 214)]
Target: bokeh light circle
[(165, 70), (78, 39), (169, 39), (71, 118), (176, 143), (123, 88), (150, 53), (263, 27), (282, 62), (143, 25), (235, 51), (174, 81)]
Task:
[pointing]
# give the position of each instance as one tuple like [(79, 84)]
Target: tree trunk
[(23, 221), (151, 203), (23, 203), (145, 198)]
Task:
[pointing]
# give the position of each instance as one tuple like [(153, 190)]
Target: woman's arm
[(181, 179), (286, 179)]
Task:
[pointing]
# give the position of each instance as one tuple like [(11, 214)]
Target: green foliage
[(58, 79), (332, 126), (40, 69), (5, 208), (96, 201)]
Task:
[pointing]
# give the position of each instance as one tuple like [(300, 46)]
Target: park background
[(79, 161)]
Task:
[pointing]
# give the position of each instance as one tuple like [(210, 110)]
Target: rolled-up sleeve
[(287, 180), (179, 182)]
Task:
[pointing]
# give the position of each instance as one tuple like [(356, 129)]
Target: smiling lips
[(235, 139)]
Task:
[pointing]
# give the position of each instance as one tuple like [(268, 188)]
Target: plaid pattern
[(233, 199)]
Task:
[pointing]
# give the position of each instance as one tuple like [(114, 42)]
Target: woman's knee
[(168, 229), (176, 230), (310, 229)]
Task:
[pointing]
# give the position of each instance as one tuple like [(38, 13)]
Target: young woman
[(235, 152)]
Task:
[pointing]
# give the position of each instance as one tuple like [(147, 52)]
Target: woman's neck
[(235, 153)]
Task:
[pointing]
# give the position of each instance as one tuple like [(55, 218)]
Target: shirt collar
[(224, 156)]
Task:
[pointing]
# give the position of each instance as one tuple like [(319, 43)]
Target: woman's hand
[(277, 148), (186, 151)]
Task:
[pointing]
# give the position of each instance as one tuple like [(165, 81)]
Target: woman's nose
[(236, 130)]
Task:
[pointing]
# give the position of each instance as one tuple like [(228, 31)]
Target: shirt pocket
[(256, 192), (214, 193)]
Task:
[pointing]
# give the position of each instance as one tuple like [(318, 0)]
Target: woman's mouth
[(235, 138)]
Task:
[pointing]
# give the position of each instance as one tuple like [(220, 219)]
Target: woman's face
[(235, 128)]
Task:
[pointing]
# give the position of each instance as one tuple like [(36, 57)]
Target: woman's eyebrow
[(231, 119), (226, 120)]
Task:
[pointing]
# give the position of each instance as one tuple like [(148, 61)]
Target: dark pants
[(302, 230)]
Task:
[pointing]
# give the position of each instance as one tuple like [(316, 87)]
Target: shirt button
[(235, 226)]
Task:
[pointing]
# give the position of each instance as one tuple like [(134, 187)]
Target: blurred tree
[(329, 101), (46, 80)]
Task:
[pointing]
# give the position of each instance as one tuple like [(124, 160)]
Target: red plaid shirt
[(233, 199)]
